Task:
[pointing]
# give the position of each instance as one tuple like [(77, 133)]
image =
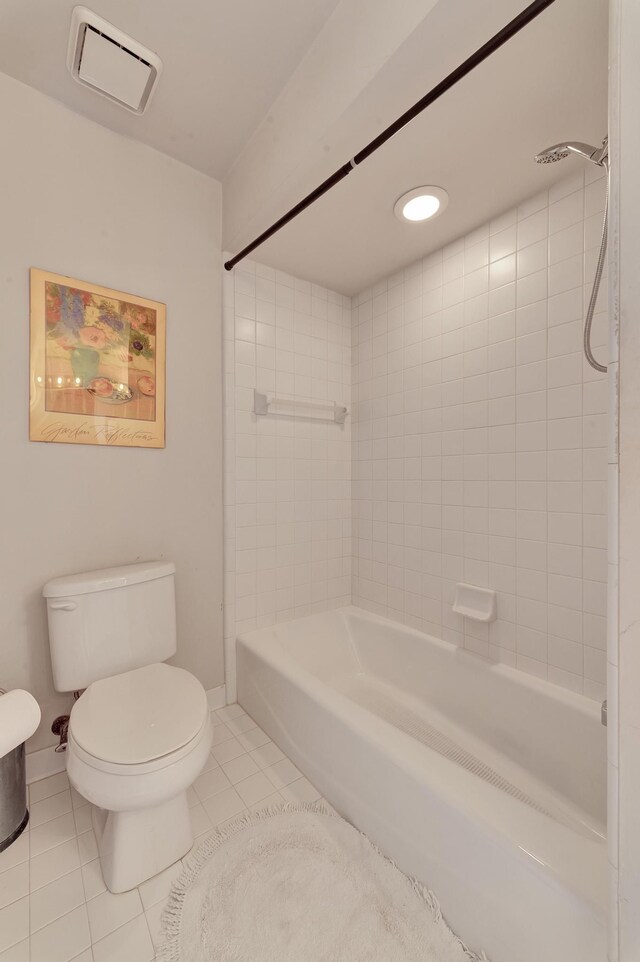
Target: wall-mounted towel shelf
[(299, 407)]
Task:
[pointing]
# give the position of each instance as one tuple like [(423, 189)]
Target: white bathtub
[(484, 783)]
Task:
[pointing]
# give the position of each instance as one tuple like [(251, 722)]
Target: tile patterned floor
[(54, 906)]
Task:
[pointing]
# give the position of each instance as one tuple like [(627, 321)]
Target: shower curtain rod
[(510, 30)]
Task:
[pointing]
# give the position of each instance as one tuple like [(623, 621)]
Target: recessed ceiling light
[(421, 203)]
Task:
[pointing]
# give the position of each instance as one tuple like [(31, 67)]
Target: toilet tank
[(102, 623)]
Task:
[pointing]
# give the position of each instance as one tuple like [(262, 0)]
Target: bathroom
[(342, 435)]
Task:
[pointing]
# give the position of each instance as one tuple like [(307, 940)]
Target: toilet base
[(139, 844)]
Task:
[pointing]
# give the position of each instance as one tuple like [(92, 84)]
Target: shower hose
[(588, 321)]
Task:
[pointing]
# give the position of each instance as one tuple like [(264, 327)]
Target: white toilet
[(141, 732)]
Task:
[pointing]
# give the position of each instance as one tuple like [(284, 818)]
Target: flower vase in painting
[(98, 359), (100, 344)]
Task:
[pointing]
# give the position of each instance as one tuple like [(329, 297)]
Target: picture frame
[(97, 364)]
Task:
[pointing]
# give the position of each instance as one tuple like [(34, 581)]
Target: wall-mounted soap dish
[(476, 603)]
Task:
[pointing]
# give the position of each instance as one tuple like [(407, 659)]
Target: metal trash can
[(14, 814)]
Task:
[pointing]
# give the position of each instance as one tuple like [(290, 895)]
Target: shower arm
[(588, 152), (482, 53)]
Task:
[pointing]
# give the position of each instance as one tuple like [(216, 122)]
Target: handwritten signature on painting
[(87, 433)]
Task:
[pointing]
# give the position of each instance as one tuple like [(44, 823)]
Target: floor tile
[(240, 725), (17, 953), (300, 791), (254, 788), (52, 833), (221, 733), (56, 899), (48, 786), (14, 884), (49, 808), (211, 783), (223, 806), (54, 863), (108, 912), (227, 750), (14, 923), (267, 755), (130, 943), (275, 799), (63, 940), (239, 768), (254, 738), (282, 773), (16, 853)]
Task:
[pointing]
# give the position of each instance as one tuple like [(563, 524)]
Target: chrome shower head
[(597, 155), (552, 155)]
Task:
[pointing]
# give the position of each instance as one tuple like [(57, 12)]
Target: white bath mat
[(295, 884)]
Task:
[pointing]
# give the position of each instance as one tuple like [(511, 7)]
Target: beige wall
[(80, 200)]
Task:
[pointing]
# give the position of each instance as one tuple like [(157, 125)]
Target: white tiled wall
[(287, 480), (480, 439)]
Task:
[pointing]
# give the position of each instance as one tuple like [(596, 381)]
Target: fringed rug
[(296, 884)]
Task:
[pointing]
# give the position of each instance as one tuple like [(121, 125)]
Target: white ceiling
[(224, 63), (549, 83), (271, 97)]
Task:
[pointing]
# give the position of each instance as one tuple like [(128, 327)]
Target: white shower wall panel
[(287, 479), (480, 438)]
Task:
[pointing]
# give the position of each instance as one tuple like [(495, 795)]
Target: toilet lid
[(139, 715)]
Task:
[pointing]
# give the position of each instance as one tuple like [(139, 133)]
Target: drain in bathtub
[(412, 724)]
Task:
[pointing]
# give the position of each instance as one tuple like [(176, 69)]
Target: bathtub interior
[(537, 742)]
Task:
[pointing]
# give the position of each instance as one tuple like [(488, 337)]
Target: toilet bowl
[(137, 741)]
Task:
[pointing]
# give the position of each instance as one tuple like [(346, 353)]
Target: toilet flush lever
[(63, 605)]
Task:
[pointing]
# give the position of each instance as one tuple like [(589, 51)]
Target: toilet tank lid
[(105, 578)]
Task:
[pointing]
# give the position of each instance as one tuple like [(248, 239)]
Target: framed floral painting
[(97, 364)]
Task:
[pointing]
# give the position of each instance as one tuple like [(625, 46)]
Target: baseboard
[(43, 763), (217, 697), (47, 762)]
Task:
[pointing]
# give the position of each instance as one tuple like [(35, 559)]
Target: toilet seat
[(144, 768), (139, 720)]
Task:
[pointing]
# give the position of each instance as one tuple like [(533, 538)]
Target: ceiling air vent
[(108, 61)]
